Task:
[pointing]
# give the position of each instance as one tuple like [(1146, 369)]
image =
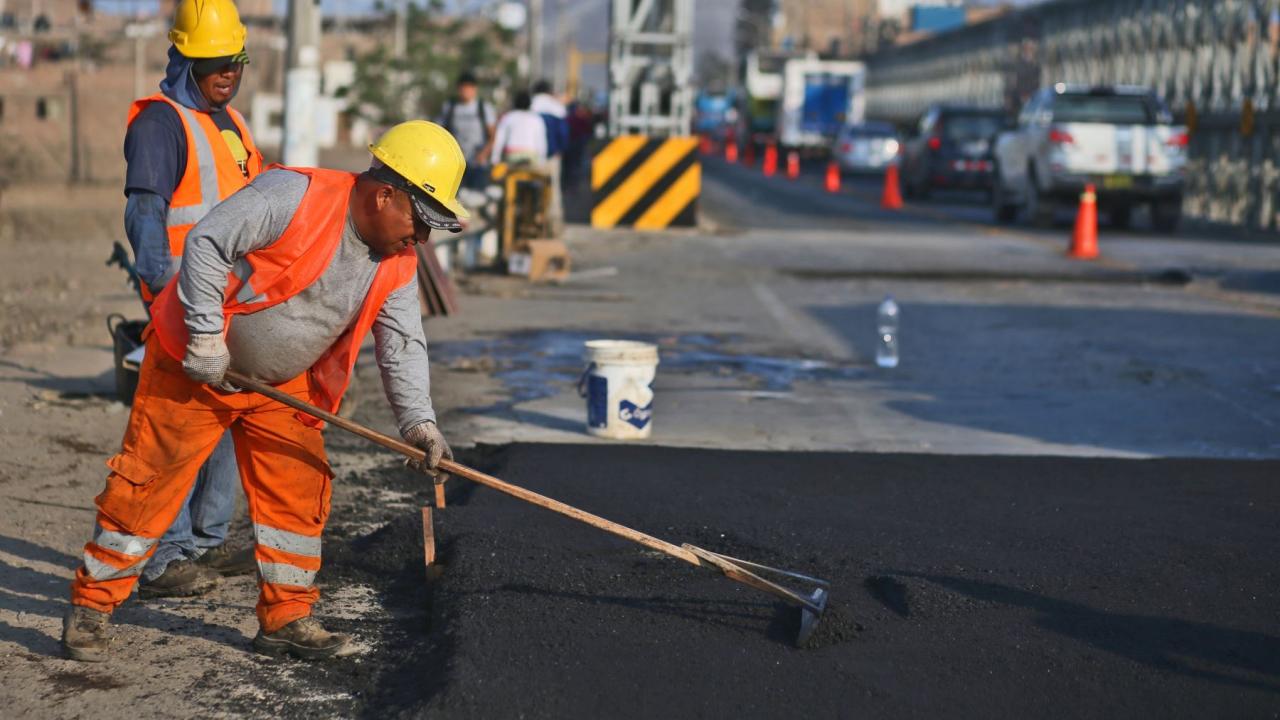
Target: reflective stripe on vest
[(211, 175), (207, 169), (287, 266)]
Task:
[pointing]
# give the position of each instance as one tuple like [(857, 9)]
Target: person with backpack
[(472, 121)]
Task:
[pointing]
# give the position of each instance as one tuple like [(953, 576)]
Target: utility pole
[(561, 45), (302, 83), (535, 40), (140, 32), (400, 42), (78, 170), (75, 172)]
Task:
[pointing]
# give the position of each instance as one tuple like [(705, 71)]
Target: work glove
[(207, 359), (426, 435)]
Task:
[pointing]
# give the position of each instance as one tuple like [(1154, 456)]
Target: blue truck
[(818, 98)]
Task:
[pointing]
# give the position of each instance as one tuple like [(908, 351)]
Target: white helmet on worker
[(426, 161), (207, 29)]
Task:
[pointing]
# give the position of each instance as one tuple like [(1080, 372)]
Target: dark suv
[(951, 150)]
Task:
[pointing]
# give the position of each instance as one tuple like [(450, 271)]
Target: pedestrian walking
[(281, 282), (472, 121), (581, 124), (521, 136), (187, 149)]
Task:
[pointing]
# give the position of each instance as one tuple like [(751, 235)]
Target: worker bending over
[(187, 150), (281, 282)]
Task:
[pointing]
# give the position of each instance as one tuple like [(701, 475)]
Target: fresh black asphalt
[(961, 587)]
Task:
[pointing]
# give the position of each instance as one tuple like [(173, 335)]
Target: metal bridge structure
[(651, 68), (1214, 61)]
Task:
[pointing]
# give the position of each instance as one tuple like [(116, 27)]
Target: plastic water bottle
[(887, 327)]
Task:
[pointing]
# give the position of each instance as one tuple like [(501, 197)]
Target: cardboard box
[(541, 261)]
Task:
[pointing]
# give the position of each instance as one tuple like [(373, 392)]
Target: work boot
[(84, 634), (227, 562), (303, 638), (182, 578)]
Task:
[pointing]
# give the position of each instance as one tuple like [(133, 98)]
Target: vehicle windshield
[(971, 127), (1108, 109)]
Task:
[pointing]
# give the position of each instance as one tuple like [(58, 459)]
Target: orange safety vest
[(286, 267), (211, 175)]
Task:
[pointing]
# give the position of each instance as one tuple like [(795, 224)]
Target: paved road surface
[(765, 321)]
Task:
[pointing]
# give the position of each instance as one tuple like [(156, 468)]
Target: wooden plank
[(428, 537)]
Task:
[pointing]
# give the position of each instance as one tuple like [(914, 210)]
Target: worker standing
[(281, 282), (186, 150)]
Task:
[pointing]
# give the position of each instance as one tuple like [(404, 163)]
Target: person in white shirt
[(521, 136), (544, 103)]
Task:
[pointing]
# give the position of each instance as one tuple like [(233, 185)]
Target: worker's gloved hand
[(207, 359), (426, 435)]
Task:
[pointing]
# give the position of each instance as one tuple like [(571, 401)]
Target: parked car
[(1120, 138), (866, 147), (951, 150)]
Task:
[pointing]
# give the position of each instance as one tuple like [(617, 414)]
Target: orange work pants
[(174, 426)]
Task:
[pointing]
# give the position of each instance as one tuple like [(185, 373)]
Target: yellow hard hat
[(427, 156), (207, 29)]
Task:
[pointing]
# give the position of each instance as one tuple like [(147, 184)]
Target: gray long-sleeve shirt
[(282, 341)]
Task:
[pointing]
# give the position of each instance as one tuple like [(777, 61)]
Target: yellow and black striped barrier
[(645, 183)]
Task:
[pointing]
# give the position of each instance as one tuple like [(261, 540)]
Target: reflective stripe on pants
[(174, 426), (286, 558)]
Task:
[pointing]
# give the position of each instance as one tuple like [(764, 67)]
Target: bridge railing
[(1214, 61)]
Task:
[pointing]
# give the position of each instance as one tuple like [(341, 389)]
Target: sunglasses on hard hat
[(209, 66), (428, 210)]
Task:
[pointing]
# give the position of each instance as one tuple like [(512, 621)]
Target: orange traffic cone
[(891, 198), (770, 160), (1084, 241), (730, 151), (793, 165), (704, 145), (833, 177), (749, 153)]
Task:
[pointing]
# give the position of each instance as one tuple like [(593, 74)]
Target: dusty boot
[(227, 562), (182, 578), (303, 638), (84, 634)]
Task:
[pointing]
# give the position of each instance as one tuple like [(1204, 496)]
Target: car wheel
[(1166, 216)]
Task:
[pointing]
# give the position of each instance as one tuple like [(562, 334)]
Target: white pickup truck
[(1121, 139)]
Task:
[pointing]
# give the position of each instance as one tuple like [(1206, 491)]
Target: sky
[(712, 27)]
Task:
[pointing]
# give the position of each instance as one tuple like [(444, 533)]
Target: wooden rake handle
[(454, 468)]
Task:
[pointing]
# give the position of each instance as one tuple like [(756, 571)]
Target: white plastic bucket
[(618, 387)]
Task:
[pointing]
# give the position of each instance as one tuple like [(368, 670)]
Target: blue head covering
[(179, 84)]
